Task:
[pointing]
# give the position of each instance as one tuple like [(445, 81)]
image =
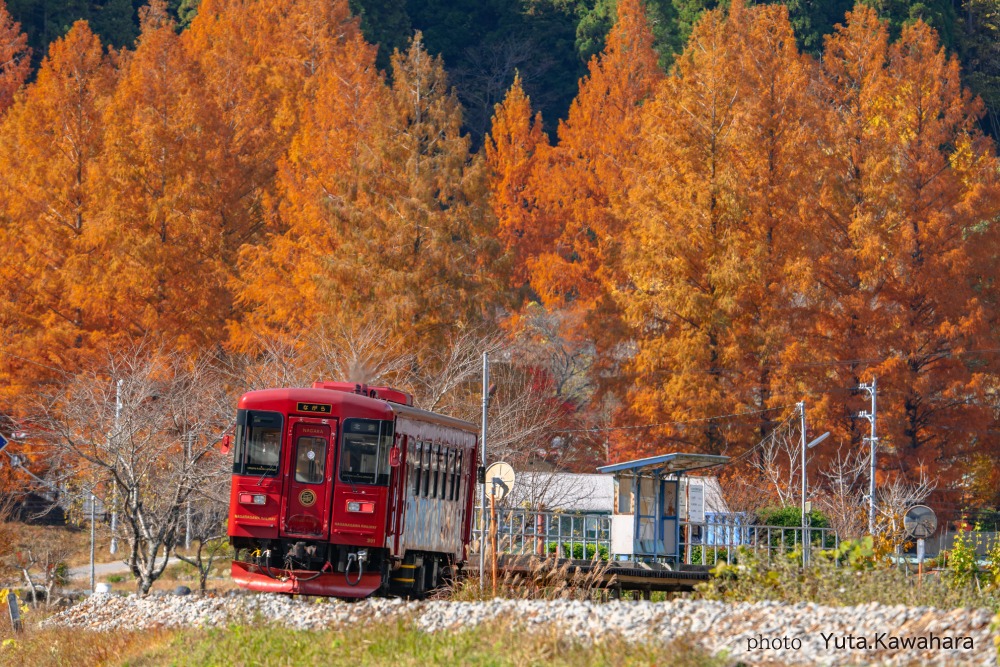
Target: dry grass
[(57, 647), (826, 583), (77, 539), (397, 642), (542, 579)]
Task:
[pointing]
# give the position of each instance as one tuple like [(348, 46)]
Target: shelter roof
[(666, 464)]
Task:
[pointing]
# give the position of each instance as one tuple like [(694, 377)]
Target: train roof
[(359, 405)]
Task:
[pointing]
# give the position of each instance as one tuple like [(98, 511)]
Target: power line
[(676, 423), (769, 436), (833, 362)]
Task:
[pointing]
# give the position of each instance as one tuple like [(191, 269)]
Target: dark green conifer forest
[(549, 42)]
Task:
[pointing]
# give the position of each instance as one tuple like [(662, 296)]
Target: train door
[(397, 484), (306, 511)]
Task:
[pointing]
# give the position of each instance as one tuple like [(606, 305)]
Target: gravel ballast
[(748, 632)]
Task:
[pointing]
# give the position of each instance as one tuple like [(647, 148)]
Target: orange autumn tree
[(842, 332), (515, 147), (437, 213), (580, 185), (285, 284), (50, 143), (255, 59), (715, 244), (381, 206), (15, 58), (574, 192), (163, 251), (911, 210)]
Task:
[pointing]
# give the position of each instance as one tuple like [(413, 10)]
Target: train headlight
[(360, 506)]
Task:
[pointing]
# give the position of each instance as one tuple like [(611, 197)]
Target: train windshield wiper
[(267, 470)]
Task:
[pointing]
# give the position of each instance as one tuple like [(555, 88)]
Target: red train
[(347, 490)]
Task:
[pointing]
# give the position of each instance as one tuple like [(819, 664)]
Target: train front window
[(258, 443), (364, 457)]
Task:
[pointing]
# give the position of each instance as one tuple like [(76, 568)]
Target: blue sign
[(3, 442)]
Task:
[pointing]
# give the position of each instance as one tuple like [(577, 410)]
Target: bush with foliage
[(577, 551), (848, 575)]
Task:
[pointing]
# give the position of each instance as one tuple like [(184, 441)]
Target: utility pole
[(93, 522), (805, 518), (872, 440), (482, 450), (114, 511), (189, 445)]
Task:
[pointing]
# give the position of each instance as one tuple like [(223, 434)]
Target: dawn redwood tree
[(50, 145), (384, 212), (572, 203), (908, 210), (514, 147), (326, 183), (256, 60), (584, 178), (15, 58), (438, 210), (164, 259), (715, 239)]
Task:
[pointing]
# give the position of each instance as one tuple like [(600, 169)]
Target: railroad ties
[(616, 577)]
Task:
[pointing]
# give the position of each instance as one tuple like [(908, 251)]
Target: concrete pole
[(187, 462), (114, 512), (805, 519), (873, 441), (482, 450), (93, 522)]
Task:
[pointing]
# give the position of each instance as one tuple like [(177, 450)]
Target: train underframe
[(306, 567)]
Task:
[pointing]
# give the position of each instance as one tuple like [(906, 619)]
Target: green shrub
[(577, 551), (963, 570), (790, 516), (849, 575), (711, 556), (115, 578), (62, 574), (857, 554)]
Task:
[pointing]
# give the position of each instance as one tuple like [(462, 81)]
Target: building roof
[(666, 464), (587, 493), (564, 491)]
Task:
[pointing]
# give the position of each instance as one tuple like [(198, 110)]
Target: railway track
[(615, 576)]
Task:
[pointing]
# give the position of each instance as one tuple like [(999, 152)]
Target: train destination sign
[(316, 408)]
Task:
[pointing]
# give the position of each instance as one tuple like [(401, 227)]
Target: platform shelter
[(651, 503)]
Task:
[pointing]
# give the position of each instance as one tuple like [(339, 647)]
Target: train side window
[(445, 472), (425, 466), (443, 466), (456, 478), (413, 466), (435, 468), (455, 471), (460, 474)]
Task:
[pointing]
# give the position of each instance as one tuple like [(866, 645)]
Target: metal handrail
[(525, 532), (722, 536)]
